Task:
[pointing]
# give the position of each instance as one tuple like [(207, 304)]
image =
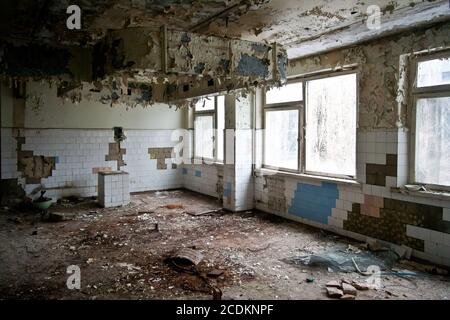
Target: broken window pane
[(281, 146), (203, 129), (433, 72), (433, 141), (331, 125), (288, 93), (205, 104), (220, 126)]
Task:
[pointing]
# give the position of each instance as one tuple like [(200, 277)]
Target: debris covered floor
[(122, 255)]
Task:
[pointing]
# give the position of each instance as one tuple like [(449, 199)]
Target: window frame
[(435, 91), (301, 139), (283, 106), (214, 113)]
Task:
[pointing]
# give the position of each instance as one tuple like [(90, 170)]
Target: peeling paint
[(253, 66), (383, 67)]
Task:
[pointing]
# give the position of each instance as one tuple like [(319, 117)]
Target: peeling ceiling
[(303, 26)]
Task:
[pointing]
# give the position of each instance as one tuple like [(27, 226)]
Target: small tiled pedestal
[(113, 188)]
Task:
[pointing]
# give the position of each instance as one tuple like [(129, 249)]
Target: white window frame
[(214, 114), (423, 92), (301, 107), (284, 106)]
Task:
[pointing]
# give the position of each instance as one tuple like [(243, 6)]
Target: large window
[(310, 126), (431, 122), (209, 124), (281, 119), (331, 125)]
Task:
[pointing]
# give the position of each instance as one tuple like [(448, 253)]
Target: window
[(331, 125), (431, 122), (326, 143), (281, 123), (204, 136), (209, 124), (281, 135), (220, 126), (288, 93)]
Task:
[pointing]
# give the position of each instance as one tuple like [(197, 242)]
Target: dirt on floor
[(122, 254)]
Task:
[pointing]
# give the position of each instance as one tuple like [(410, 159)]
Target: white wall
[(55, 112), (78, 136)]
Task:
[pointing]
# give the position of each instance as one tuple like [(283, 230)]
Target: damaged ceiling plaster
[(211, 45), (304, 26), (142, 60), (140, 66)]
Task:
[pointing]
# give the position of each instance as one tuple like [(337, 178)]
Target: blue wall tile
[(313, 202), (185, 171), (198, 173), (227, 190)]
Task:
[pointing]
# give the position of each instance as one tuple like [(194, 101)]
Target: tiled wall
[(206, 179), (314, 202), (80, 153), (113, 189), (370, 209), (143, 169)]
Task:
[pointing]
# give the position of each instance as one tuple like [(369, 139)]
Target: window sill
[(202, 162), (265, 171), (440, 195)]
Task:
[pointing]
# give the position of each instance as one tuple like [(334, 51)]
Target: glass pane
[(433, 141), (280, 141), (290, 92), (331, 125), (220, 126), (203, 129), (205, 104), (433, 72)]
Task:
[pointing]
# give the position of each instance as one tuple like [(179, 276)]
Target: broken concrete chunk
[(345, 281), (349, 289), (348, 297), (333, 283), (334, 292), (402, 251), (361, 285)]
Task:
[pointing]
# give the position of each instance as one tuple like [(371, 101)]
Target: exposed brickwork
[(276, 197), (101, 169), (161, 154), (33, 167), (116, 153)]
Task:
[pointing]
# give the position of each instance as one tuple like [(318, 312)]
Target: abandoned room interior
[(225, 149)]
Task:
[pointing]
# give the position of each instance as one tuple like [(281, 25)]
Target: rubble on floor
[(122, 254)]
